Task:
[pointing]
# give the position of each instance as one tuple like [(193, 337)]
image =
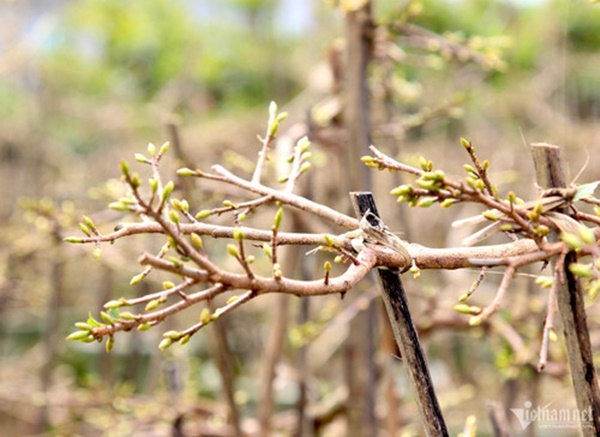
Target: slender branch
[(549, 322), (296, 201)]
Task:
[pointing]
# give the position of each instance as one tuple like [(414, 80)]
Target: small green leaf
[(585, 190), (107, 318)]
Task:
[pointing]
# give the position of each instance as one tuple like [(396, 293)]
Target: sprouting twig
[(475, 285), (548, 322), (493, 306)]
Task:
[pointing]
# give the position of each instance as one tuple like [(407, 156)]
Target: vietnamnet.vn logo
[(548, 417)]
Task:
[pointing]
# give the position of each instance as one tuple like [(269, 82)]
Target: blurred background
[(86, 84)]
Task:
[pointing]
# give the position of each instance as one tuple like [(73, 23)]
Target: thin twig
[(548, 322)]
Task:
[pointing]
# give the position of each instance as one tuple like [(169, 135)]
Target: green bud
[(165, 343), (186, 172), (140, 158), (416, 271), (78, 335), (573, 241), (277, 272), (426, 202), (423, 163), (88, 222), (471, 170), (491, 215), (112, 304), (151, 149), (205, 316), (272, 110), (475, 321), (233, 250), (124, 168), (203, 214), (152, 305), (97, 252), (110, 342), (196, 240), (83, 326), (238, 234), (329, 240), (485, 164), (466, 144), (167, 190), (135, 180), (581, 270), (185, 339), (427, 185), (137, 279), (305, 167), (174, 216), (144, 326), (267, 249), (250, 259), (281, 116), (107, 317), (242, 216), (327, 266), (338, 259), (173, 335), (126, 315), (446, 203), (164, 148), (118, 206), (593, 289), (587, 235), (400, 190), (278, 218), (232, 299), (167, 285), (544, 281), (467, 309), (73, 240)]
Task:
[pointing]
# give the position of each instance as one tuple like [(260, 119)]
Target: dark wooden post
[(405, 333), (549, 173)]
